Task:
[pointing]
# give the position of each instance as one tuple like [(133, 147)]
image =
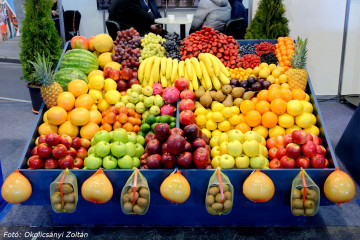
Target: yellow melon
[(103, 43)]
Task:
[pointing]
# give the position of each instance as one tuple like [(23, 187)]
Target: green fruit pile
[(151, 46), (115, 149), (149, 123)]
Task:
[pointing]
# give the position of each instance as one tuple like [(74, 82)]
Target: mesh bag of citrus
[(219, 194), (305, 195), (135, 195), (64, 192)]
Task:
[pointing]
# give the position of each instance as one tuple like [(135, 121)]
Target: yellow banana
[(191, 87), (196, 66), (215, 64), (174, 71), (164, 82), (148, 68), (224, 79), (141, 71), (223, 69), (204, 58), (151, 80), (156, 69), (163, 66), (181, 69), (188, 69), (168, 68), (195, 82), (216, 83), (207, 82)]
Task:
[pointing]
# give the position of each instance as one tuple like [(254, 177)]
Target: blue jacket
[(238, 10), (152, 6)]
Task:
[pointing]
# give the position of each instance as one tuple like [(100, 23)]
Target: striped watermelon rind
[(80, 59), (65, 75)]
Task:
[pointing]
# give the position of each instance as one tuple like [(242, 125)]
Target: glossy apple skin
[(317, 140), (65, 140), (78, 163), (176, 144), (293, 150), (153, 146), (154, 161), (168, 160), (44, 150), (309, 149), (50, 163), (66, 162), (270, 143), (121, 85), (72, 152), (176, 131), (81, 153), (149, 136), (35, 162), (318, 161), (272, 152), (287, 162), (275, 164), (162, 131), (197, 143), (164, 148), (184, 160), (303, 162), (52, 139), (188, 147), (85, 143), (42, 139), (126, 73), (280, 152), (34, 151), (279, 141), (309, 137), (320, 150), (76, 142), (191, 132), (299, 137), (201, 157), (287, 139), (59, 151)]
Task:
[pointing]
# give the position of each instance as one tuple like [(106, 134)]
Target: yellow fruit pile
[(103, 47)]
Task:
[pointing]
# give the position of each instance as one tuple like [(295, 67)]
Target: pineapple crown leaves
[(299, 58), (43, 72)]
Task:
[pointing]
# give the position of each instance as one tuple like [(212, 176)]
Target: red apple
[(114, 74), (184, 160), (187, 117), (168, 160), (59, 151), (182, 83), (149, 137), (271, 142), (66, 162), (85, 143), (81, 153), (188, 147), (309, 149), (275, 163), (76, 142), (191, 132), (52, 139), (35, 162), (280, 152), (293, 150), (176, 131), (186, 104), (164, 148), (176, 144), (279, 141), (50, 163), (34, 151), (326, 163), (44, 150), (287, 162), (162, 131), (299, 137), (187, 94), (153, 146), (303, 162), (320, 150), (143, 159), (316, 140), (201, 157), (287, 139), (197, 143), (318, 161), (126, 73), (40, 140), (78, 163), (132, 82), (272, 152), (154, 161), (72, 152), (309, 137), (121, 85), (65, 140)]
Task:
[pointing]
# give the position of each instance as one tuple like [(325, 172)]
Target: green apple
[(109, 162), (215, 162), (158, 101), (263, 150), (125, 99), (257, 162), (130, 149), (140, 107), (214, 141), (226, 161), (147, 91), (92, 162), (131, 137), (118, 149), (102, 135), (91, 150), (119, 104), (242, 161), (111, 134), (251, 148), (235, 134), (252, 135), (136, 88), (130, 105), (234, 148), (125, 162), (135, 162), (223, 148), (148, 102), (223, 137), (215, 151), (139, 150), (93, 142), (141, 97), (102, 149), (120, 135), (266, 163), (128, 92), (155, 110), (145, 114), (140, 139)]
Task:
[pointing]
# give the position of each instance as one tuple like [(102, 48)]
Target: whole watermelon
[(65, 75), (80, 59)]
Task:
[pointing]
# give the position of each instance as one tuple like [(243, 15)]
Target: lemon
[(209, 115), (96, 95), (200, 111), (276, 131), (211, 125), (281, 69), (291, 129), (304, 120), (217, 107), (285, 85), (109, 84), (277, 81), (261, 130), (256, 70), (271, 78), (96, 82), (201, 120), (307, 107), (217, 117), (286, 120), (282, 78), (307, 97), (272, 67), (103, 105), (224, 126), (234, 120), (312, 130), (235, 110), (226, 112), (294, 107), (206, 132), (263, 65), (314, 119), (215, 133), (276, 73), (249, 71), (94, 107), (112, 96), (264, 73)]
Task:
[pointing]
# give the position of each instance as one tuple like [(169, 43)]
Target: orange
[(278, 106), (85, 101), (274, 94), (56, 115), (69, 129), (66, 100), (123, 109), (243, 127), (254, 100), (253, 118), (117, 125), (298, 94), (88, 130), (128, 127), (269, 119), (106, 127), (136, 128), (131, 112), (78, 87), (122, 118), (286, 94), (46, 128), (95, 116), (263, 95), (273, 86), (246, 106), (262, 107), (79, 116)]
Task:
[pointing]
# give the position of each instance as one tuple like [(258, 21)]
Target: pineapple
[(43, 72), (297, 75)]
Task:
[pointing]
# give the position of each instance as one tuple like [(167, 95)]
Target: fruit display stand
[(193, 212)]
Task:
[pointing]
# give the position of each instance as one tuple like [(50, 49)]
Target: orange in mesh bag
[(220, 194), (64, 192), (135, 195), (16, 188), (97, 188), (305, 195)]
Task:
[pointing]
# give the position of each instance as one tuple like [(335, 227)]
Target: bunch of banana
[(208, 71)]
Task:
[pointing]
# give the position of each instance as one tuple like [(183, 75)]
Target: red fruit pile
[(298, 149), (211, 41), (124, 78), (250, 61), (53, 151), (187, 107), (264, 47), (166, 147)]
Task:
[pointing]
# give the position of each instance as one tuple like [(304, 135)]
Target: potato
[(69, 207), (69, 198), (67, 188), (297, 203), (138, 210), (144, 193), (217, 207), (228, 195), (309, 211), (213, 191), (128, 207), (309, 204), (58, 207), (210, 199), (298, 212), (55, 198), (142, 202), (126, 197), (227, 205), (296, 194)]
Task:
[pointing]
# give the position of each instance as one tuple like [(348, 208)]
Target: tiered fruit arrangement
[(151, 46), (172, 45), (208, 40)]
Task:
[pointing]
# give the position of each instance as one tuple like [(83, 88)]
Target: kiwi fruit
[(138, 210), (225, 187), (131, 196), (55, 198), (227, 205), (199, 92), (210, 200), (211, 210), (309, 204), (228, 195), (217, 207), (127, 207), (69, 207), (297, 203), (67, 188), (311, 194), (218, 198), (212, 93), (219, 96), (226, 89), (238, 101), (126, 197), (298, 211), (309, 211), (213, 191), (296, 194), (237, 92), (69, 198), (142, 202), (198, 105), (130, 190), (144, 193), (206, 99), (58, 207), (228, 102), (248, 95)]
